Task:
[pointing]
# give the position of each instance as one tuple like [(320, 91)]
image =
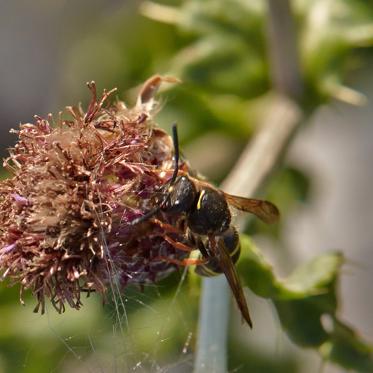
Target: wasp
[(208, 224)]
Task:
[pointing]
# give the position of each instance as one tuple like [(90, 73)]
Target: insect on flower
[(205, 212), (75, 186), (104, 197)]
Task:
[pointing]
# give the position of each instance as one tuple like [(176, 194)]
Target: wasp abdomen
[(231, 244)]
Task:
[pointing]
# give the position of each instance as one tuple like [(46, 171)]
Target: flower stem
[(256, 163)]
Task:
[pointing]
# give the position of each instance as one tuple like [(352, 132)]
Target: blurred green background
[(219, 50)]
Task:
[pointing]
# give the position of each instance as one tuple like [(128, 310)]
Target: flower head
[(76, 186)]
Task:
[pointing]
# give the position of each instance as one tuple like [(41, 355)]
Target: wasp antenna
[(175, 139), (147, 216)]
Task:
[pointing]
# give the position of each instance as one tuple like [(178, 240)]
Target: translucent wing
[(264, 210), (218, 250)]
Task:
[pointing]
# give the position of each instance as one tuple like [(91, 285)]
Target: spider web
[(114, 341)]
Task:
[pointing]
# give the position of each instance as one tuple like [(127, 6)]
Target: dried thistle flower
[(76, 185)]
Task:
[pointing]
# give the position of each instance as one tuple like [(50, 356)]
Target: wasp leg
[(171, 229), (165, 226), (182, 263), (178, 245)]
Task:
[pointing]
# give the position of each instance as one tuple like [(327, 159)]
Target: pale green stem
[(249, 174)]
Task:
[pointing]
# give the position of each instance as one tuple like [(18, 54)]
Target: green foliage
[(309, 280), (307, 305), (255, 362), (346, 348), (329, 31), (218, 49), (226, 55), (228, 42)]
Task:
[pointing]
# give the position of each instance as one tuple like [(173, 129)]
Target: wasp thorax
[(211, 214)]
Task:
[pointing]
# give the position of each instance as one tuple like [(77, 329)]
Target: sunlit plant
[(77, 183)]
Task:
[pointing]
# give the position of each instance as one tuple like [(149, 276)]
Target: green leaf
[(346, 348), (311, 279), (242, 18), (213, 62), (317, 275), (305, 301), (256, 273)]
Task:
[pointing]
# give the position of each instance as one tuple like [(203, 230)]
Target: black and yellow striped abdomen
[(231, 243)]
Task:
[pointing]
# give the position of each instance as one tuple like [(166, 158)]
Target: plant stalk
[(256, 163)]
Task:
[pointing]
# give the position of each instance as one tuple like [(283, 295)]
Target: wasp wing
[(264, 210), (231, 275)]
